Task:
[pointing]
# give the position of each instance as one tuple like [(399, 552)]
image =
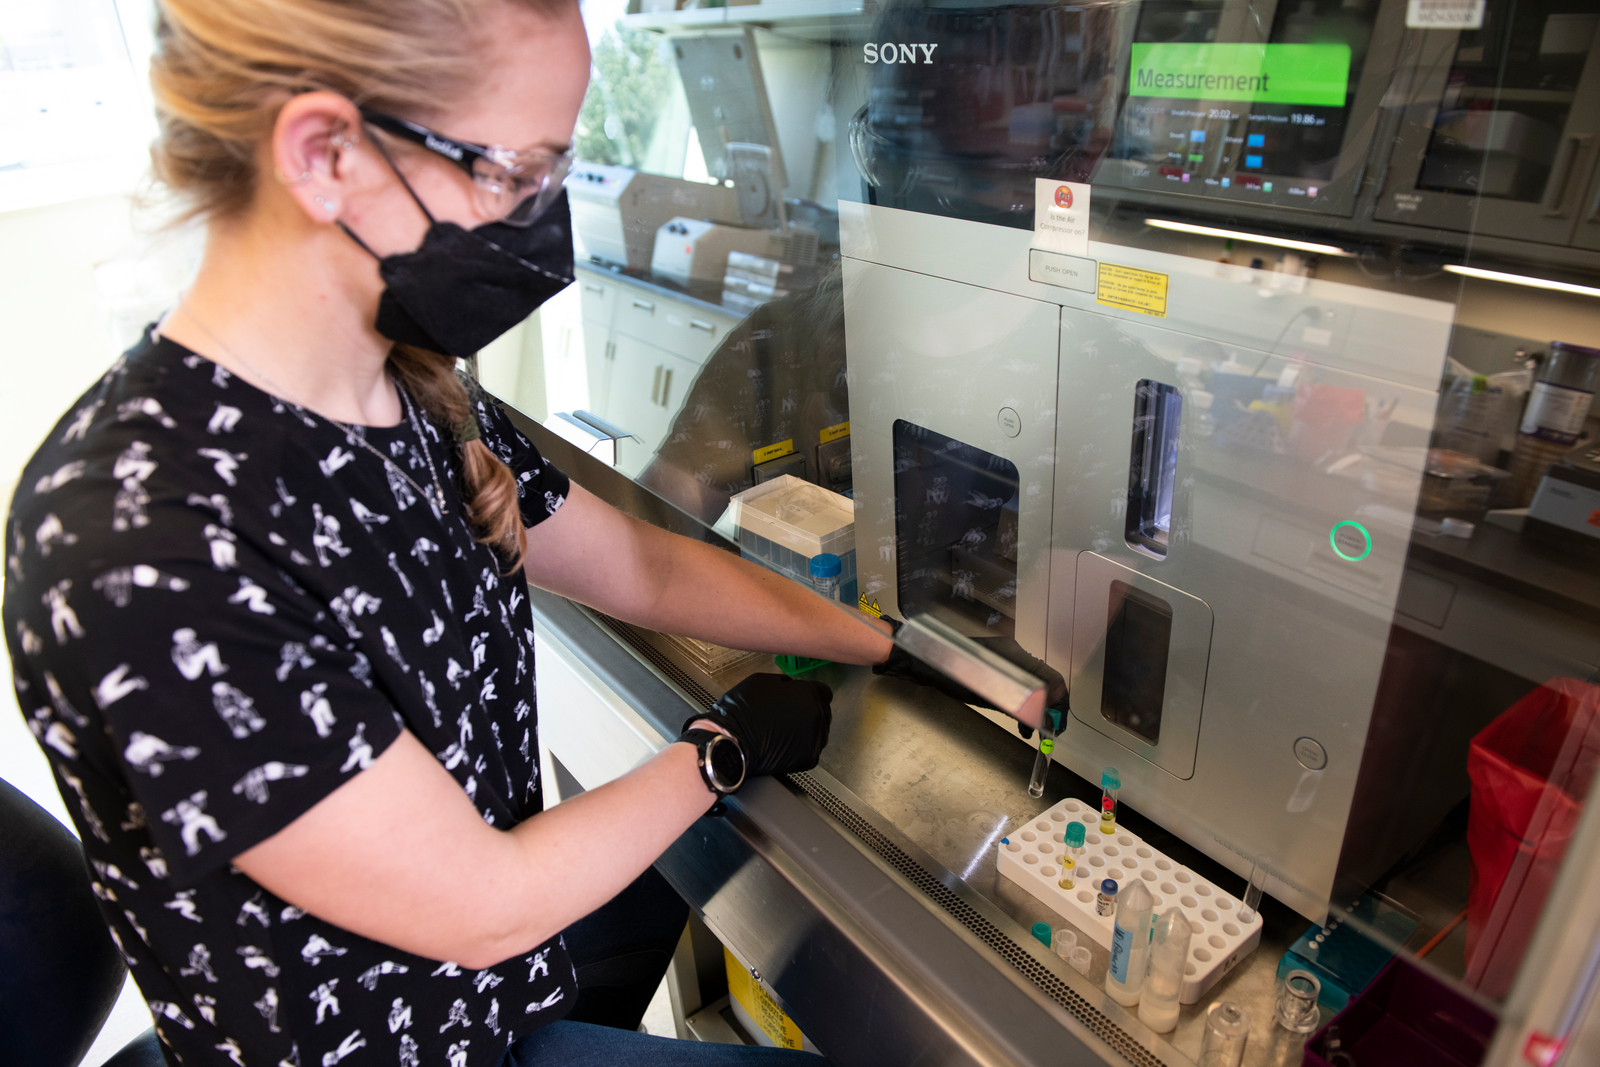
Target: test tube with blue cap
[(1049, 730), (825, 570), (1110, 783)]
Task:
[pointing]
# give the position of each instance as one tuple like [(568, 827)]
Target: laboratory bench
[(865, 895)]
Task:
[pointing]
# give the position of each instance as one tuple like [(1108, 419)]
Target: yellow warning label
[(762, 1008), (833, 433), (870, 607), (1143, 291), (782, 448)]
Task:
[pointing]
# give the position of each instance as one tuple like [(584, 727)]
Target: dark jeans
[(621, 951)]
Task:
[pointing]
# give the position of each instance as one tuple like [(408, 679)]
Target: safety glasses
[(513, 186)]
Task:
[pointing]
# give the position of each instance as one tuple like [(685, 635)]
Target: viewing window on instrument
[(1138, 634), (1157, 413), (956, 531)]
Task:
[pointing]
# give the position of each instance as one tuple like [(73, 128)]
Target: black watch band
[(721, 760)]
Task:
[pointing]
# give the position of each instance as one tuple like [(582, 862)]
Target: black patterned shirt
[(219, 608)]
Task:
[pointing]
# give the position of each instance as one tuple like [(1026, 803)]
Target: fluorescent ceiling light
[(1522, 279), (1254, 238)]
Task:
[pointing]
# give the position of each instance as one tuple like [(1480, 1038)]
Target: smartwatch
[(721, 760)]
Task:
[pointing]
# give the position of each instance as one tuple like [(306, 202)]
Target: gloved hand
[(780, 723), (901, 664)]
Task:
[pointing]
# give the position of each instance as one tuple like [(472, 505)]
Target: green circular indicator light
[(1365, 545)]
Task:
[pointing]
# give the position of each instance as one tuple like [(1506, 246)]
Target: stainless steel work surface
[(923, 789)]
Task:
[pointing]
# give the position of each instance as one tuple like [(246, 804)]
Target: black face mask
[(462, 288)]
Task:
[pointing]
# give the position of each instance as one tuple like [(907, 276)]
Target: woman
[(261, 603)]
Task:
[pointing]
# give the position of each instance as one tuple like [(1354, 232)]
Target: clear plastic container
[(783, 522), (1130, 945), (1227, 1030), (1110, 785), (1169, 951)]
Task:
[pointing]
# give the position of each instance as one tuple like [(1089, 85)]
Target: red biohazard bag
[(1531, 769)]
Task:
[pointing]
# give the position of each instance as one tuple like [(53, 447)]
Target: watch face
[(726, 761)]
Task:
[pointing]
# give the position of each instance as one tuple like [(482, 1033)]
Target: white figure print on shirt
[(216, 502), (132, 468), (207, 1007), (456, 1054), (478, 605), (223, 545), (336, 459), (366, 516), (75, 784), (457, 1017), (231, 1049), (538, 965), (421, 548), (63, 620), (110, 872), (254, 909), (325, 536), (268, 1007), (492, 1020), (59, 477), (150, 754), (144, 935), (486, 980), (403, 496), (148, 406), (184, 905), (317, 948), (361, 669), (369, 977), (405, 583), (293, 654), (253, 786), (447, 969), (190, 817), (480, 650), (253, 597), (236, 709), (399, 1015), (326, 1002), (162, 1009), (51, 533), (314, 702), (456, 753), (391, 646), (360, 757), (454, 672), (118, 583), (199, 964), (194, 659), (63, 707), (486, 694), (256, 959), (285, 499), (82, 419), (154, 860), (58, 735), (409, 1057), (225, 463), (347, 1047), (351, 605), (224, 419), (432, 634)]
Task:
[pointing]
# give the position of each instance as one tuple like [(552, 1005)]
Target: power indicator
[(1351, 541)]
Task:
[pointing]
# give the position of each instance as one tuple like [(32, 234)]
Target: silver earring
[(304, 177), (326, 205), (341, 141)]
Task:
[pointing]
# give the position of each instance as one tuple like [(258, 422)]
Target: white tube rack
[(1031, 857)]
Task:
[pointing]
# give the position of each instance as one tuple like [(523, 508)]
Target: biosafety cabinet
[(1207, 352)]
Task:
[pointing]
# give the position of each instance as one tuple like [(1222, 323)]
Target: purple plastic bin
[(1406, 1018)]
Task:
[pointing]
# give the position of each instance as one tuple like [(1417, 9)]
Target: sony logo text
[(898, 53)]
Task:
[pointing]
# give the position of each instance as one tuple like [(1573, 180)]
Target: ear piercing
[(342, 141), (326, 205), (304, 177)]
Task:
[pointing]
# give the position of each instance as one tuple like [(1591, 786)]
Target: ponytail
[(489, 486)]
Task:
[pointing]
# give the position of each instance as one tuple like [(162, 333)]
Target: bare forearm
[(711, 594)]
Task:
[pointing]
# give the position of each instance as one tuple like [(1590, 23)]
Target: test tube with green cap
[(1049, 730), (1041, 932), (1073, 839), (1110, 783)]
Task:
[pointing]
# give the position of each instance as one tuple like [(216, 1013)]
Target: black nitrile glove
[(901, 664), (780, 723)]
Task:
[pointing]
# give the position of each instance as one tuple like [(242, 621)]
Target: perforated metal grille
[(913, 872)]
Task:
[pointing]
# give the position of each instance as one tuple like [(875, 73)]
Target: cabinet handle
[(645, 305), (1555, 191), (655, 386), (611, 350), (696, 324), (599, 289), (666, 387)]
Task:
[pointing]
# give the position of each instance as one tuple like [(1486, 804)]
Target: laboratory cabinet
[(1498, 131), (1191, 349)]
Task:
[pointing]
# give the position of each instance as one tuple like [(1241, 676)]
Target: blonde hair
[(222, 69)]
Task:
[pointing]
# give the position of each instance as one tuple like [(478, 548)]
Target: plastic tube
[(1110, 784), (1169, 951), (1227, 1029), (1081, 958), (825, 570), (1065, 941), (1252, 893), (1049, 730), (1130, 945)]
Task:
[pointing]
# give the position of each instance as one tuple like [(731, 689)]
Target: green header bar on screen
[(1259, 73)]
